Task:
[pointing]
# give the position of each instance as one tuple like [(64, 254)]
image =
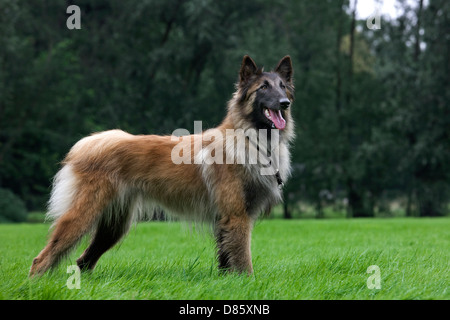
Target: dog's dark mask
[(273, 92)]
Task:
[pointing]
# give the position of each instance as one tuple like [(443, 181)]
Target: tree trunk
[(338, 88), (350, 57), (319, 209), (417, 42), (356, 206), (409, 212), (286, 214)]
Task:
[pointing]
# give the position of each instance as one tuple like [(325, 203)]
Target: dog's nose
[(284, 103)]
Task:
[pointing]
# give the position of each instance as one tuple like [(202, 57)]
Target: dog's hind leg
[(110, 230), (79, 219)]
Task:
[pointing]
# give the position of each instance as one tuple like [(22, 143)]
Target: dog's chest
[(262, 190), (260, 196)]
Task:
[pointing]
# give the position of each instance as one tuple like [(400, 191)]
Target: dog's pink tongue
[(277, 119)]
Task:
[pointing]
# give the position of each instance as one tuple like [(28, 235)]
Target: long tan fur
[(110, 179)]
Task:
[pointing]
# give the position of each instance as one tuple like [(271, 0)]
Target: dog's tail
[(63, 193), (66, 183)]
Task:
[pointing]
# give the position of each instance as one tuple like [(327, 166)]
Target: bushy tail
[(64, 189)]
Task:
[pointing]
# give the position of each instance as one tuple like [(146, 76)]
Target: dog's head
[(266, 97)]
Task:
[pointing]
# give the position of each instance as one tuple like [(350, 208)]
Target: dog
[(111, 179)]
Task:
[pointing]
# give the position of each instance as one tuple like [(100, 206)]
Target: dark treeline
[(372, 107)]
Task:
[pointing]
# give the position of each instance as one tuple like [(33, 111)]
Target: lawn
[(297, 259)]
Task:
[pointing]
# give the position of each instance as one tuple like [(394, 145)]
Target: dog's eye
[(282, 85), (264, 87)]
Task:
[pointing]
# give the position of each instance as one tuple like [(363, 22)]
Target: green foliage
[(12, 208), (371, 106)]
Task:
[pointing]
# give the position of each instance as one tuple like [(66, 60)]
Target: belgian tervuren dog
[(112, 178)]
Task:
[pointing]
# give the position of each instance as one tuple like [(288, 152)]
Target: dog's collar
[(279, 180), (277, 173)]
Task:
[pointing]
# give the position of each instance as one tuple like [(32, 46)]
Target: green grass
[(298, 259)]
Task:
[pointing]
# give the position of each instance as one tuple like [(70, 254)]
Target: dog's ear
[(248, 69), (284, 68)]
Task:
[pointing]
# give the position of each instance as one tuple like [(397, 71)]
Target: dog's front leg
[(233, 238)]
